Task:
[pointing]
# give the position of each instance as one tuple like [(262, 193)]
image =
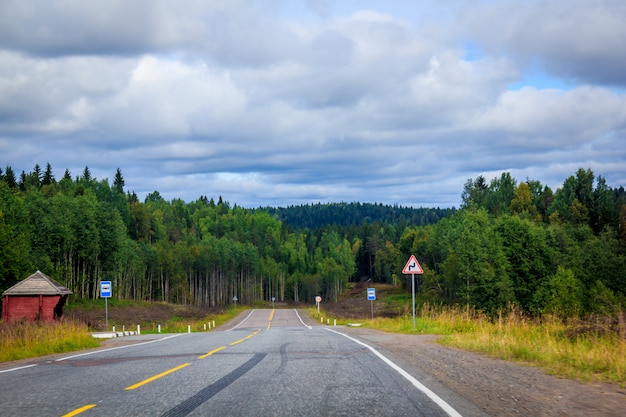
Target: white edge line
[(17, 369), (94, 352), (118, 347), (241, 322), (436, 399), (300, 318)]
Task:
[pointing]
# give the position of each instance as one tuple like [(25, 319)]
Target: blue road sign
[(371, 294), (105, 289)]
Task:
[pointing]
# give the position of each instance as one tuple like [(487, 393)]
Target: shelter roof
[(37, 284)]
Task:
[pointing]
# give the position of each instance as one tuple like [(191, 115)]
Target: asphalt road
[(270, 363)]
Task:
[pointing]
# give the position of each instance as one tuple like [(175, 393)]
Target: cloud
[(388, 103), (578, 40)]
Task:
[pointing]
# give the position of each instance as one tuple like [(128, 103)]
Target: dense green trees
[(510, 243)]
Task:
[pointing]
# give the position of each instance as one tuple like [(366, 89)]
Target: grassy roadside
[(587, 351), (24, 339)]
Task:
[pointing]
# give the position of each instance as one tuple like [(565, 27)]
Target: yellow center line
[(236, 342), (79, 410), (212, 352), (269, 324), (162, 374), (250, 335)]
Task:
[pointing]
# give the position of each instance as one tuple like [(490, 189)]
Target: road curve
[(267, 363)]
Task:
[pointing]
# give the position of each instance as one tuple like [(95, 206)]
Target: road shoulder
[(498, 387)]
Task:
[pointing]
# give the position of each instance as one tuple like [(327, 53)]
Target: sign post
[(318, 300), (105, 292), (235, 301), (371, 296), (413, 267)]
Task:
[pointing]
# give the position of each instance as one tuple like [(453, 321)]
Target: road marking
[(253, 333), (269, 323), (96, 351), (434, 397), (17, 369), (212, 352), (236, 342), (119, 347), (79, 410), (241, 322), (162, 374), (301, 321)]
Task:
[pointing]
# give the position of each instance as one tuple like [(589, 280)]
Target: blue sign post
[(371, 296), (105, 292), (105, 289)]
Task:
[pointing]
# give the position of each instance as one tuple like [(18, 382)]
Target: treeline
[(544, 251), (82, 230), (521, 244), (314, 216)]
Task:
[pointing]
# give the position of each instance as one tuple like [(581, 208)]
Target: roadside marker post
[(413, 267)]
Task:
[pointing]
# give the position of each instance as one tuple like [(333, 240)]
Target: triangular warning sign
[(412, 266)]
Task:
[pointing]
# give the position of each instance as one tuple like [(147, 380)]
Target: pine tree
[(9, 178), (118, 182), (87, 174), (48, 178)]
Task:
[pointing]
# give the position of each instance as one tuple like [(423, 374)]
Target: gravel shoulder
[(497, 387)]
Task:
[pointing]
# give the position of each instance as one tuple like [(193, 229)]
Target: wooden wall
[(29, 307)]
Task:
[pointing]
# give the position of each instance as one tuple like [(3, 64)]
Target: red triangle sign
[(412, 266)]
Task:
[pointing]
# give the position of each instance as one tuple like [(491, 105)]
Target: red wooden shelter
[(37, 297)]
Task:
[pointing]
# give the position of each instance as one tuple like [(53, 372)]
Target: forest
[(509, 244)]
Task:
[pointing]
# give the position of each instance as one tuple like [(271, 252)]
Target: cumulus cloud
[(351, 101)]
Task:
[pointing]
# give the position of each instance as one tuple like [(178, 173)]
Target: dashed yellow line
[(212, 352), (79, 410), (269, 324), (250, 335), (169, 371), (236, 342), (162, 374)]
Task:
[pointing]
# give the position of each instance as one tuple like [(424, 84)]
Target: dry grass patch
[(23, 339), (563, 348)]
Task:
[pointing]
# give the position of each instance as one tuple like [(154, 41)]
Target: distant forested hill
[(315, 216)]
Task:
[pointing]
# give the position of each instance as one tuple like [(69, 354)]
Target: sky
[(279, 103)]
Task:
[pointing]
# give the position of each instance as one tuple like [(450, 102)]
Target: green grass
[(23, 339)]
